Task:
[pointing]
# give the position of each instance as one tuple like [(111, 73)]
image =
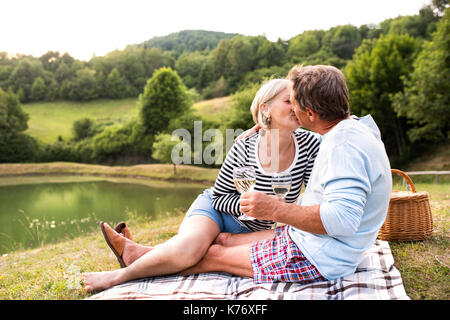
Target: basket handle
[(407, 178)]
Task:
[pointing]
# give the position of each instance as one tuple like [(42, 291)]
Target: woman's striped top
[(245, 153)]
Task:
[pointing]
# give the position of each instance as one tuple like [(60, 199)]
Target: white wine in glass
[(281, 184), (244, 185), (244, 178)]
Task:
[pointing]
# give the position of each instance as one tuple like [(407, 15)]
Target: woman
[(279, 147)]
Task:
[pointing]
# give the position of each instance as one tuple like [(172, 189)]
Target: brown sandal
[(122, 229), (115, 241)]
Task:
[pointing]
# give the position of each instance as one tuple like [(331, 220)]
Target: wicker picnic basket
[(409, 216)]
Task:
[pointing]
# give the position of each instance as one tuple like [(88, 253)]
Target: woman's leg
[(184, 250), (132, 251)]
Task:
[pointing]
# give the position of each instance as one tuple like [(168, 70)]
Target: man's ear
[(311, 114)]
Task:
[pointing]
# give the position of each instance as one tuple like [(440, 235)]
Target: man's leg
[(230, 240), (230, 253), (234, 260)]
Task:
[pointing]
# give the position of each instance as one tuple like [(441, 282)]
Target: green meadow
[(49, 120), (213, 109)]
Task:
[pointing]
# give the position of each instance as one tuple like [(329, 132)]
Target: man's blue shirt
[(351, 181)]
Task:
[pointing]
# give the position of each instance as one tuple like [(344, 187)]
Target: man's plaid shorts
[(280, 260)]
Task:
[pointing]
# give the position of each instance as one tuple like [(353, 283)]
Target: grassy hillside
[(48, 120), (213, 109), (438, 159)]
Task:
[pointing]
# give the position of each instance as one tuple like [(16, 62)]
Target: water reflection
[(34, 213)]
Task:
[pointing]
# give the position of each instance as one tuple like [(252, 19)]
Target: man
[(343, 207)]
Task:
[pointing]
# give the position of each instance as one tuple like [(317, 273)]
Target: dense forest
[(397, 70)]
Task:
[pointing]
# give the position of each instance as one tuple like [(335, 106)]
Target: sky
[(85, 28)]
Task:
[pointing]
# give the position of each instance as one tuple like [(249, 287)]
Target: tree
[(189, 67), (84, 86), (426, 98), (218, 88), (304, 45), (50, 60), (270, 54), (188, 41), (440, 5), (240, 57), (12, 117), (241, 117), (373, 76), (115, 87), (82, 128), (111, 143), (162, 149), (38, 89), (343, 40), (64, 72), (132, 68), (164, 98), (23, 75), (14, 145), (219, 59)]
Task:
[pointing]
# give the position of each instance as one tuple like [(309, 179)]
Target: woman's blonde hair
[(265, 94)]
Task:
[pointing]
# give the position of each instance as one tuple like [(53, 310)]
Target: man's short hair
[(322, 89)]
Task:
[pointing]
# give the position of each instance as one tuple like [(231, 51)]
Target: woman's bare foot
[(97, 281)]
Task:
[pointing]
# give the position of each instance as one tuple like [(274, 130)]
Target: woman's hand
[(248, 132), (260, 205)]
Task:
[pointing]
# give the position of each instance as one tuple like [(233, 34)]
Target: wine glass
[(244, 178), (281, 184)]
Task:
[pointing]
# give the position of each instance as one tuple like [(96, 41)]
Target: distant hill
[(188, 40), (438, 158)]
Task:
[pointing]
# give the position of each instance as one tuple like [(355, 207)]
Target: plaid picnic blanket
[(375, 278)]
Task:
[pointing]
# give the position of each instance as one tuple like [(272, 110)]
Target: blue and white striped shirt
[(245, 153)]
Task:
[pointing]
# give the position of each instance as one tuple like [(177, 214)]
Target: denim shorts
[(203, 206)]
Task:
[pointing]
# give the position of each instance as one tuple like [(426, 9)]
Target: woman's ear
[(264, 109)]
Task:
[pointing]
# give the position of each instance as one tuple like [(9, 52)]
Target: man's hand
[(260, 205), (248, 133), (266, 207)]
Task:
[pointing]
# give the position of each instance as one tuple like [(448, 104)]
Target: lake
[(35, 210)]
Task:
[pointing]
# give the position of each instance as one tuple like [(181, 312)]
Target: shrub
[(82, 129), (19, 148)]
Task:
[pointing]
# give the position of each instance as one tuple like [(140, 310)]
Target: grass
[(52, 271), (438, 159), (424, 265), (146, 171), (48, 120), (213, 109)]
